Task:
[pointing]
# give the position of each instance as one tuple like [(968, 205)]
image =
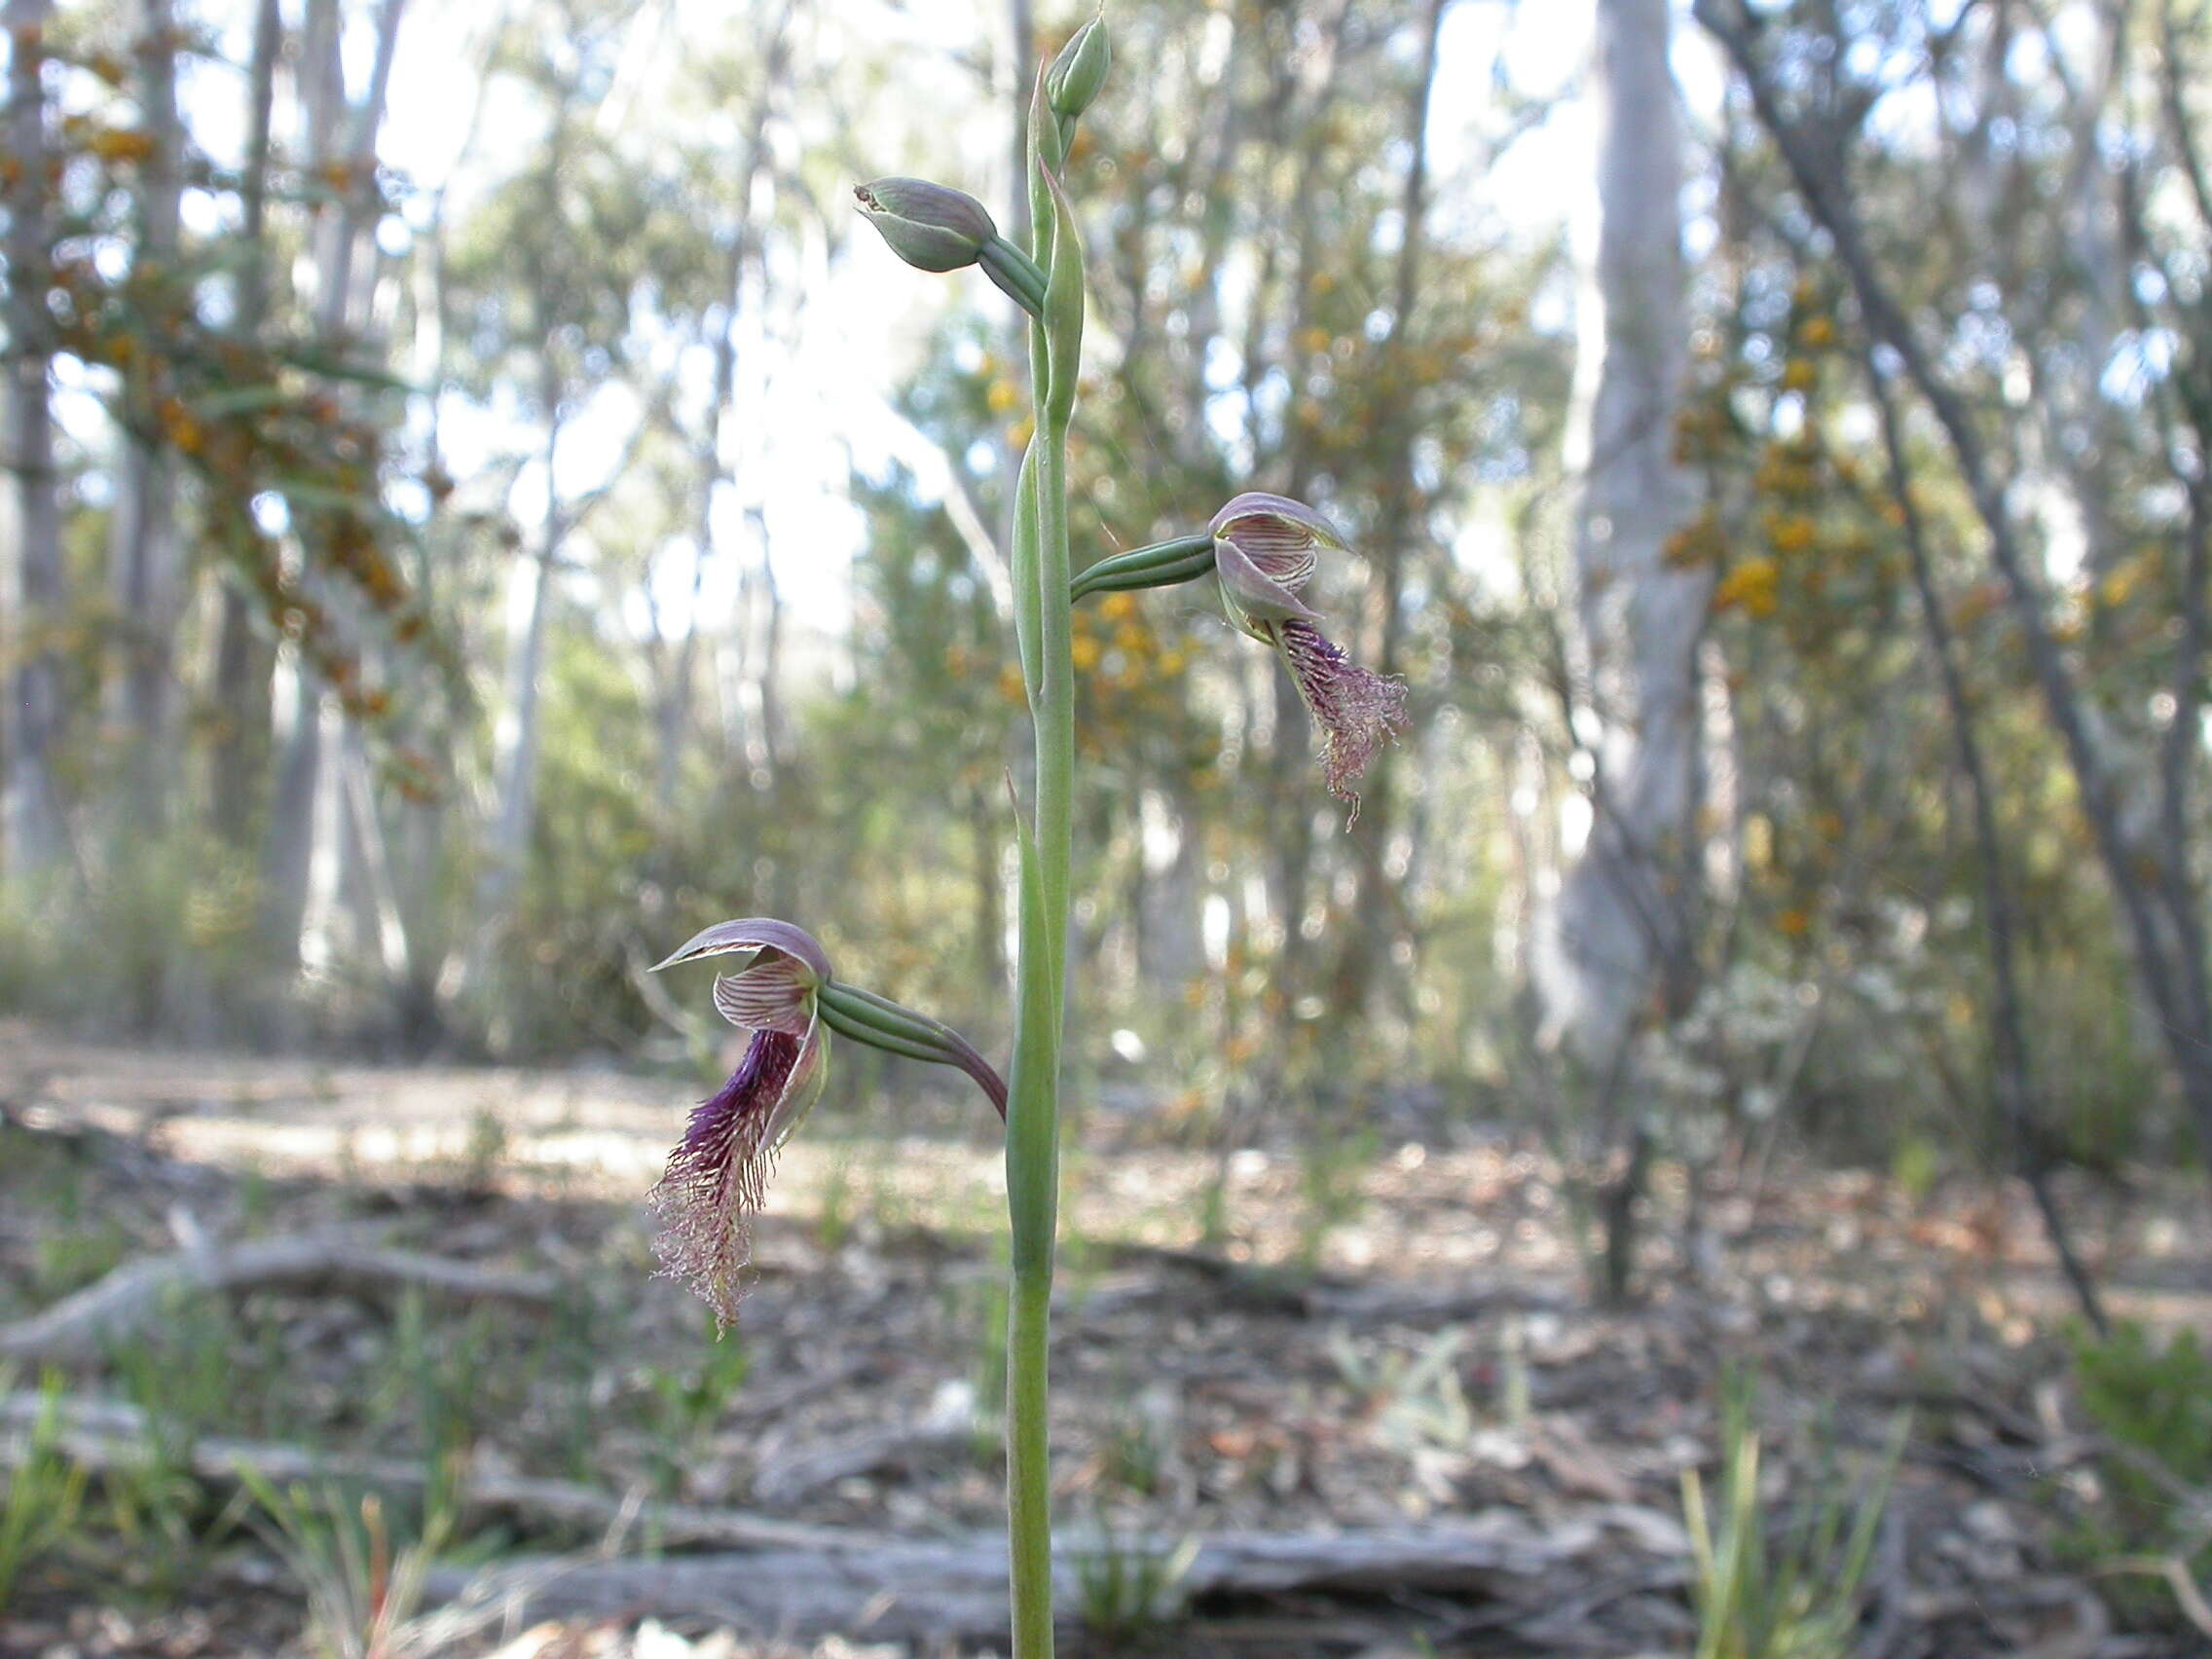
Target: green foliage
[(2141, 1395), (1781, 1583), (2155, 1487), (157, 1516), (683, 1403), (363, 1587), (440, 1383), (42, 1510), (1417, 1400), (1332, 1168), (979, 1311), (204, 1369), (67, 1261), (1127, 1590)]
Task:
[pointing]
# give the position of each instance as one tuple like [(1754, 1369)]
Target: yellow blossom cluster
[(1752, 586)]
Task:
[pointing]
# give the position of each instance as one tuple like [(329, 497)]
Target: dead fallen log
[(949, 1425), (80, 1328), (1300, 1293), (794, 1580), (107, 1434), (882, 1590)]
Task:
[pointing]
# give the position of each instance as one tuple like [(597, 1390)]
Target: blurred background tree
[(475, 512)]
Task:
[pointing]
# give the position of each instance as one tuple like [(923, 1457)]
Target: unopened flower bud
[(932, 227), (1079, 70)]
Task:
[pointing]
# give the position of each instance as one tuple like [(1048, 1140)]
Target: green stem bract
[(1033, 1129), (1028, 600), (1043, 151), (1164, 563)]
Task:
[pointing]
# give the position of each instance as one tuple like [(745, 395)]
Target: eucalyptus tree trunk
[(508, 845), (299, 877), (143, 552), (1372, 925), (243, 660), (710, 460), (32, 833), (1622, 919)]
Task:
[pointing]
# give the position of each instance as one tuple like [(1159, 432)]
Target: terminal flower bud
[(1079, 70), (783, 994), (1265, 550)]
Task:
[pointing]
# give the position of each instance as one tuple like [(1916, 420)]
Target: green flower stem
[(1033, 1130), (1164, 563)]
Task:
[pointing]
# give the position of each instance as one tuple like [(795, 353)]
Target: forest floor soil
[(1361, 1336)]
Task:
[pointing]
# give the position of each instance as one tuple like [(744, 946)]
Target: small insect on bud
[(932, 227), (1079, 70)]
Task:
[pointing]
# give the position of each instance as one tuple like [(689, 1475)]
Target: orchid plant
[(1262, 551)]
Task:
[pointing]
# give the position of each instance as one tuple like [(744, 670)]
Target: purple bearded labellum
[(781, 992), (718, 1176), (1265, 550)]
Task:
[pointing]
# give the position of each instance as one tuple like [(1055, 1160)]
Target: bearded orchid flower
[(783, 992), (1264, 549)]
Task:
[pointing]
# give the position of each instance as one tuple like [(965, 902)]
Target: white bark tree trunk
[(1623, 913), (244, 661), (32, 828), (297, 879), (717, 431), (143, 551), (507, 846)]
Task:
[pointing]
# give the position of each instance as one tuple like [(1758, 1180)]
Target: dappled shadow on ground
[(1374, 1395)]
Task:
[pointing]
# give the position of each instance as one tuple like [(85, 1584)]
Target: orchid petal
[(775, 993), (1254, 599)]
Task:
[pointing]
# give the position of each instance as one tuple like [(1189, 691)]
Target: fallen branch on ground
[(809, 1580), (878, 1590), (106, 1434), (82, 1327), (1298, 1293)]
